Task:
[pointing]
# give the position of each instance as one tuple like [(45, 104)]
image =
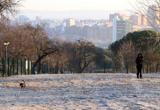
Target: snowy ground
[(81, 92)]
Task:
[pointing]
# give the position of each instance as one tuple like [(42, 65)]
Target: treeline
[(32, 43), (124, 51)]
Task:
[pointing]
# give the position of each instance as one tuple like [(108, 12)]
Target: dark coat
[(139, 61)]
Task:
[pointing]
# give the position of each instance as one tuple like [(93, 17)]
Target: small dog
[(22, 84)]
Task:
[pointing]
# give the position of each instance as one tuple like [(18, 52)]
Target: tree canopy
[(125, 50)]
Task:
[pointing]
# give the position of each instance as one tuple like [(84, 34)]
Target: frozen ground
[(81, 92)]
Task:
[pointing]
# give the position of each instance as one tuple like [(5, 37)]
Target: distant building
[(23, 19), (70, 22), (120, 15), (114, 28), (124, 16), (120, 28), (112, 16), (136, 28), (140, 20), (123, 27)]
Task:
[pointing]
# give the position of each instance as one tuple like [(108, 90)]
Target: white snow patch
[(81, 92)]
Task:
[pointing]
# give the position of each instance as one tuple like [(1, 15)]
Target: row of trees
[(32, 42), (124, 51)]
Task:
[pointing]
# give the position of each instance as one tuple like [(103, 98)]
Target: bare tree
[(151, 10), (8, 7), (43, 46), (29, 42), (127, 53), (82, 55)]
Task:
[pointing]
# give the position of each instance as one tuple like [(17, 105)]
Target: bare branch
[(8, 7)]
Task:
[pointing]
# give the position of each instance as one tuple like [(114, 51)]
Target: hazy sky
[(45, 8), (63, 5)]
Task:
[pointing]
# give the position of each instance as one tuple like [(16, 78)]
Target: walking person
[(139, 65)]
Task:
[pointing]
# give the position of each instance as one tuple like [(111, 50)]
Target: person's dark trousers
[(139, 74), (139, 71)]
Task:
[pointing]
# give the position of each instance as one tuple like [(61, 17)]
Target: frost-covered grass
[(81, 92)]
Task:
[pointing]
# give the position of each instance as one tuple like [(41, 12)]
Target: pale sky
[(74, 8), (68, 5)]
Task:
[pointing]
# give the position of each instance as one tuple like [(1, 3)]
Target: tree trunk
[(147, 68), (35, 64), (157, 68), (40, 57), (57, 68)]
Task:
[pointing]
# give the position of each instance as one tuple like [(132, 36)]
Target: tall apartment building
[(120, 28)]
